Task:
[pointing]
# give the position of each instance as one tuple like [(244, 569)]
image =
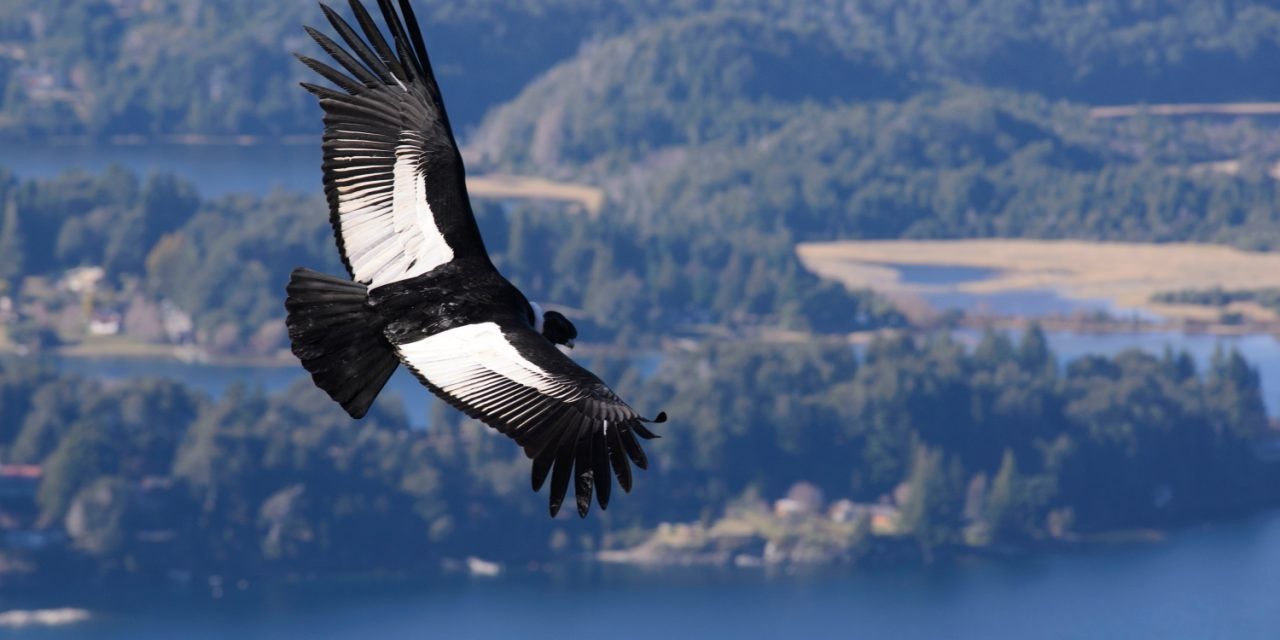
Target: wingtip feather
[(645, 433)]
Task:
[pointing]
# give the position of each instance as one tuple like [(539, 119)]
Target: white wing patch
[(388, 230), (477, 365)]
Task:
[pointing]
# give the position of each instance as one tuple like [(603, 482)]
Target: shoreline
[(170, 354), (1128, 276), (453, 570), (176, 139), (1050, 324)]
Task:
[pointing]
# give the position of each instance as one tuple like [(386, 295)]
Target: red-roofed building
[(18, 482)]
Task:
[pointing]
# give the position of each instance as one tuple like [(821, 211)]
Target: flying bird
[(422, 289)]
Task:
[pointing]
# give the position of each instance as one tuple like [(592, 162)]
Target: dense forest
[(150, 476), (111, 67)]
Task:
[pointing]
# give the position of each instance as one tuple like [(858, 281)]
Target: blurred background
[(965, 313)]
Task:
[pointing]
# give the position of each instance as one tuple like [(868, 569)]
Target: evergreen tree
[(83, 455), (1001, 513), (1033, 350), (1235, 391), (12, 254), (932, 511)]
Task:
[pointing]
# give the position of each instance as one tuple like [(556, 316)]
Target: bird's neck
[(539, 319)]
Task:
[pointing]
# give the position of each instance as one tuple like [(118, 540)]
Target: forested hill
[(721, 133), (222, 67)]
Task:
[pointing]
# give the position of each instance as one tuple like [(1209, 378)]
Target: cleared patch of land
[(591, 199), (1188, 109), (1128, 274)]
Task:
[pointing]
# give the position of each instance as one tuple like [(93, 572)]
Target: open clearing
[(1128, 274), (1188, 109), (591, 199)]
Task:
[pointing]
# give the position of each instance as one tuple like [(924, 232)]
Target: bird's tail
[(338, 338)]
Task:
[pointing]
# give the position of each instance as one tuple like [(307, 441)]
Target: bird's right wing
[(512, 379), (393, 174)]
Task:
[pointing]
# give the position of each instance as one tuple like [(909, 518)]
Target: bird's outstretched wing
[(392, 171), (569, 422)]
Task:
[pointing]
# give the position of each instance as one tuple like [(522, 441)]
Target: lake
[(1262, 351), (215, 169), (215, 379), (1214, 582), (938, 285)]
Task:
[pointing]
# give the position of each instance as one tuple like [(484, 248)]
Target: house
[(178, 325), (803, 499), (19, 526), (104, 323), (81, 279), (18, 482), (883, 516)]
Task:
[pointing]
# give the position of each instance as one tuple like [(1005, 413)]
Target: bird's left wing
[(512, 379), (392, 171)]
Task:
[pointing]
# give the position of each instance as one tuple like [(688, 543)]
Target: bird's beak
[(568, 343)]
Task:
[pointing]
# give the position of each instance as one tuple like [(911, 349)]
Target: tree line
[(998, 444), (100, 68)]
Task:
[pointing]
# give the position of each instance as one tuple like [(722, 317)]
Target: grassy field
[(589, 198), (1128, 274), (1188, 109)]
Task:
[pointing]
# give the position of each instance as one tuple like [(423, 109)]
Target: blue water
[(932, 274), (215, 169), (939, 290), (1262, 351), (214, 379), (1214, 582), (1031, 302)]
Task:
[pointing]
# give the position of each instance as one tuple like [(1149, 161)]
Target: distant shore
[(128, 350), (140, 351), (183, 139), (1126, 274)]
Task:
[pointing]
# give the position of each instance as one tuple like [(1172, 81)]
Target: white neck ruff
[(539, 319)]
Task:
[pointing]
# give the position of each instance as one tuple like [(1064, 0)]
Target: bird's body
[(423, 291), (446, 298)]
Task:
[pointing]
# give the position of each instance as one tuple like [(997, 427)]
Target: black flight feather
[(563, 470), (343, 58), (600, 467), (618, 458), (408, 64), (370, 28), (583, 472), (358, 47), (330, 74)]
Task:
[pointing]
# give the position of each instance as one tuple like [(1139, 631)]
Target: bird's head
[(558, 329)]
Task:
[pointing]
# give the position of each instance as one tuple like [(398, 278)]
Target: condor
[(422, 289)]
